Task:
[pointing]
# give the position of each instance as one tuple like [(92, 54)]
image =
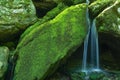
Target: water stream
[(91, 50)]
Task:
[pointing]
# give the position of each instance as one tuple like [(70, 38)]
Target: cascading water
[(91, 48), (94, 47)]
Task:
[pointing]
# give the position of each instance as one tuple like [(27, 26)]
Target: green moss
[(50, 15), (55, 11), (16, 16), (98, 6), (78, 1), (49, 43), (108, 20), (72, 2)]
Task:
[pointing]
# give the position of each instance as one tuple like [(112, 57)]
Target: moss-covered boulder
[(50, 15), (108, 24), (46, 46), (15, 16), (109, 19), (98, 6), (4, 54)]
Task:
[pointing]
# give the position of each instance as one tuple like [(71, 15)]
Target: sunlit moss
[(47, 44)]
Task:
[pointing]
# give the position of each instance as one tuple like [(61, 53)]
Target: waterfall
[(91, 50), (85, 52), (94, 47)]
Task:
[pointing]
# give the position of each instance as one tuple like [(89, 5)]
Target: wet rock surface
[(96, 76)]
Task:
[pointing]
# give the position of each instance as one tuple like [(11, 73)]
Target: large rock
[(50, 15), (4, 54), (41, 51), (15, 17), (108, 20), (108, 24), (98, 6)]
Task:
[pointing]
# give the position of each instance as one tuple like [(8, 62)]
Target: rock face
[(98, 6), (40, 51), (15, 17), (108, 23), (4, 54)]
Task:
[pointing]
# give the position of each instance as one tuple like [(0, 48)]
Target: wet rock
[(108, 24), (15, 16), (45, 47), (77, 76), (58, 76), (103, 75), (4, 54)]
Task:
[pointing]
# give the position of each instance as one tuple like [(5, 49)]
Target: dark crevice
[(109, 47), (11, 67), (43, 7)]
